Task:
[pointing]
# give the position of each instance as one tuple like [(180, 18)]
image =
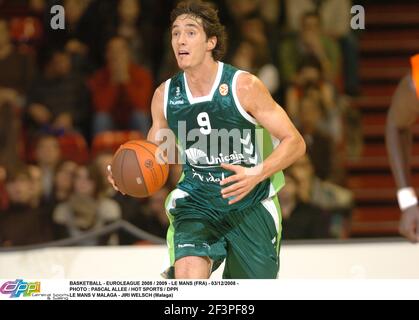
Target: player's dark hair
[(210, 21)]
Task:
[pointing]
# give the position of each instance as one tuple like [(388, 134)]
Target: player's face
[(189, 41)]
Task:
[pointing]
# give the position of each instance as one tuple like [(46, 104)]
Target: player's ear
[(211, 43)]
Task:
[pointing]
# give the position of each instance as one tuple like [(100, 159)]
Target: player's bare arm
[(256, 100), (402, 114), (157, 113), (159, 122)]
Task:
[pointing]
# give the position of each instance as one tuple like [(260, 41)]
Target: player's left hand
[(111, 180), (245, 179)]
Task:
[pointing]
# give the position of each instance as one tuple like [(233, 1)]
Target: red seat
[(109, 141)]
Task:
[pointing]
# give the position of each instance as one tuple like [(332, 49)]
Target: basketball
[(136, 170)]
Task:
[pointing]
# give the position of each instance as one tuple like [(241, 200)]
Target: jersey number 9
[(204, 123)]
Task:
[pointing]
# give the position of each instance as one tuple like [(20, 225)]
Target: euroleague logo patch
[(223, 89)]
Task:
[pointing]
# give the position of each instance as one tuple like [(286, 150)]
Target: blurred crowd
[(69, 97)]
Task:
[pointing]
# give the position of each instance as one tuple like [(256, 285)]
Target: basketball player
[(225, 205), (401, 116)]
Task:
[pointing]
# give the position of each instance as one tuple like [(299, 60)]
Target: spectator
[(310, 40), (10, 143), (58, 99), (320, 145), (121, 91), (27, 25), (63, 181), (4, 199), (102, 160), (256, 29), (36, 178), (86, 209), (300, 220), (75, 37), (310, 76), (9, 147), (242, 8), (86, 39), (37, 6), (22, 223), (252, 28), (47, 157), (239, 11), (132, 209), (157, 222), (335, 200), (62, 190), (335, 18), (252, 19), (255, 59), (17, 70), (131, 25), (271, 11)]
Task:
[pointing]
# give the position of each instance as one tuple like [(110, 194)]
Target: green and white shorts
[(248, 240)]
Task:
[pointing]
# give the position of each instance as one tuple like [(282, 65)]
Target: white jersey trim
[(166, 97), (269, 205), (243, 112), (175, 195), (275, 143), (215, 85), (171, 203)]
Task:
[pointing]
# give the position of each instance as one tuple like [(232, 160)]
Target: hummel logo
[(176, 102), (186, 245)]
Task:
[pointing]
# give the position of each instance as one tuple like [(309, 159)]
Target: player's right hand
[(409, 224), (111, 179)]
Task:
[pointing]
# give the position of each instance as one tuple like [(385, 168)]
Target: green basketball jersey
[(216, 129)]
